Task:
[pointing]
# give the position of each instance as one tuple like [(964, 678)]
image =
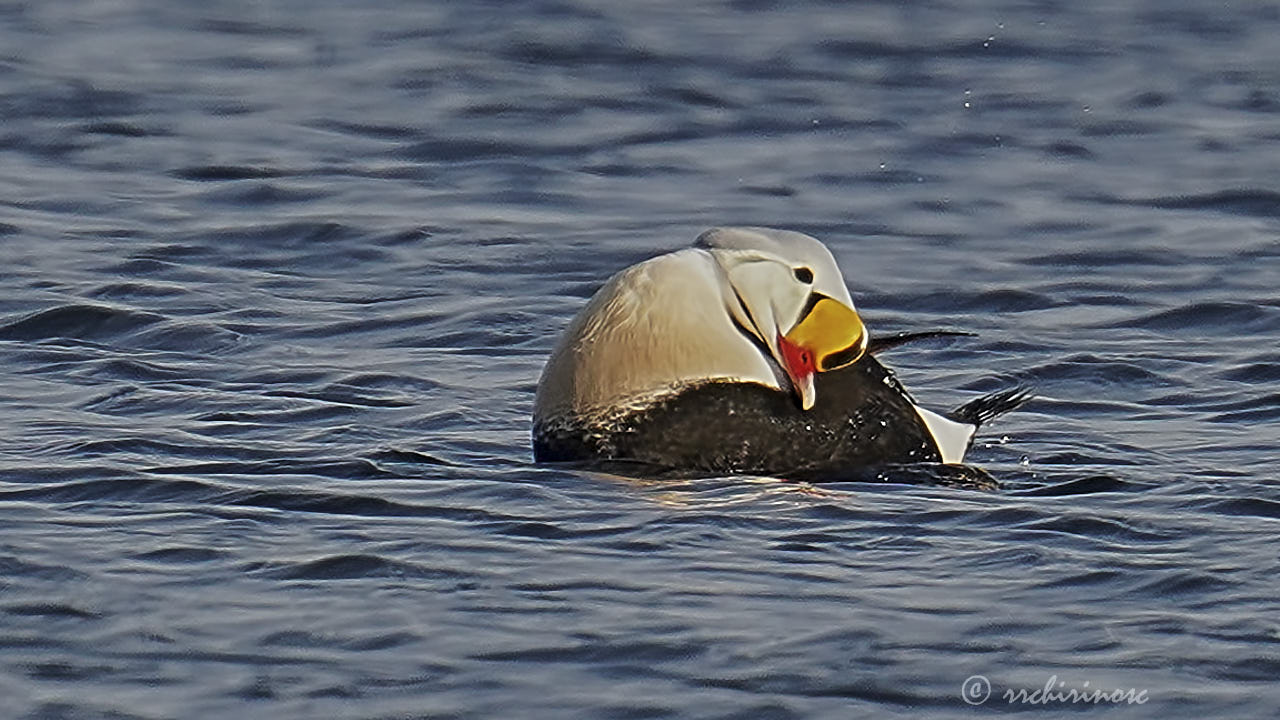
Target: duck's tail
[(982, 410)]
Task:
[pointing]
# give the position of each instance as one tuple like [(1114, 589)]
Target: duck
[(743, 354)]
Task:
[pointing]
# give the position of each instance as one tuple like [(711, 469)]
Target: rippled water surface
[(279, 279)]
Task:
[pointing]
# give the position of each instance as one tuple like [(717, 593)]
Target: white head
[(785, 289)]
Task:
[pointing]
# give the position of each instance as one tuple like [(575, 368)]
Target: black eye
[(804, 275)]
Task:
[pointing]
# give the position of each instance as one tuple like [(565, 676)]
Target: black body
[(863, 418)]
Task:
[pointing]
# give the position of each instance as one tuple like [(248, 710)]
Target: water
[(279, 279)]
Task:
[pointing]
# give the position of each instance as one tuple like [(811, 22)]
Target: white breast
[(652, 328)]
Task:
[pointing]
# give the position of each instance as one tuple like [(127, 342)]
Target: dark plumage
[(866, 420)]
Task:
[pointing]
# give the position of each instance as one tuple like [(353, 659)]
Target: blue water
[(279, 279)]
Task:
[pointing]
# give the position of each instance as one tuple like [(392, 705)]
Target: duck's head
[(784, 289)]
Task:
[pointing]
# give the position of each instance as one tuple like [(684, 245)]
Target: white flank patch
[(951, 437)]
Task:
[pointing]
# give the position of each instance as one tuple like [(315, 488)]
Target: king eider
[(743, 354)]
